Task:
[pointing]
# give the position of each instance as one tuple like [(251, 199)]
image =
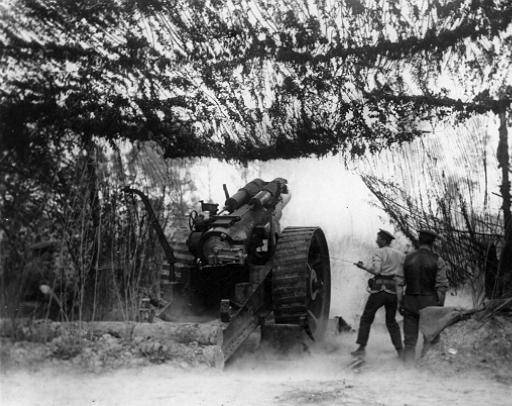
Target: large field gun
[(237, 264)]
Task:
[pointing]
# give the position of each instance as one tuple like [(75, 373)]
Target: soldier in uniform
[(387, 269), (425, 285)]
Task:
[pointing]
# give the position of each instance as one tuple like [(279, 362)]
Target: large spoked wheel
[(301, 280)]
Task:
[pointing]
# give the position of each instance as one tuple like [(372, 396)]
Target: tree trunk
[(503, 284)]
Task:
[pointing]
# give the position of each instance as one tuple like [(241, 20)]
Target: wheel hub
[(315, 284)]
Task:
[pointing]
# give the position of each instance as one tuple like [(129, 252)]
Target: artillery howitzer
[(239, 266)]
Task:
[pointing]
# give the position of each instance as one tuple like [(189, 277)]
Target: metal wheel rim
[(318, 297)]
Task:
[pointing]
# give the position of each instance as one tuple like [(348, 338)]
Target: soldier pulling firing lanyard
[(387, 267)]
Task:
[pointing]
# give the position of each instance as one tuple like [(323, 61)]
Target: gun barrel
[(244, 195), (269, 195)]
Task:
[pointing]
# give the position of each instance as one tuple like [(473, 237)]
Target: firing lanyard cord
[(338, 259)]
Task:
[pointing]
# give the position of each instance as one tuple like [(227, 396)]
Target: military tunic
[(387, 263), (424, 277)]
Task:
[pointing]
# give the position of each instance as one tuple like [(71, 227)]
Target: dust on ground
[(319, 377), (474, 344)]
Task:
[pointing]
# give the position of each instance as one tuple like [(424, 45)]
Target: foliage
[(95, 271), (248, 80), (170, 180), (447, 192)]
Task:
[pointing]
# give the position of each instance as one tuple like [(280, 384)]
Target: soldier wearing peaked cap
[(386, 266), (390, 237), (425, 284)]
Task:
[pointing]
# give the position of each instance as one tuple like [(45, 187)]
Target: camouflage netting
[(474, 345)]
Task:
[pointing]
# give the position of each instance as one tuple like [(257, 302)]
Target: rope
[(338, 259)]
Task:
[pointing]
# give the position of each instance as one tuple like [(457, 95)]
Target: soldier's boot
[(409, 355), (360, 352)]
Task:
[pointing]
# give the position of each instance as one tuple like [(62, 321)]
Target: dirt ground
[(320, 377)]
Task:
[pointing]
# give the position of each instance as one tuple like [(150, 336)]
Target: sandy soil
[(262, 378)]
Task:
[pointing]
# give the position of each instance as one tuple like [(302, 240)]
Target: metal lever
[(225, 188)]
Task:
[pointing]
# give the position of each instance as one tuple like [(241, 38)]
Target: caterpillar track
[(301, 285)]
